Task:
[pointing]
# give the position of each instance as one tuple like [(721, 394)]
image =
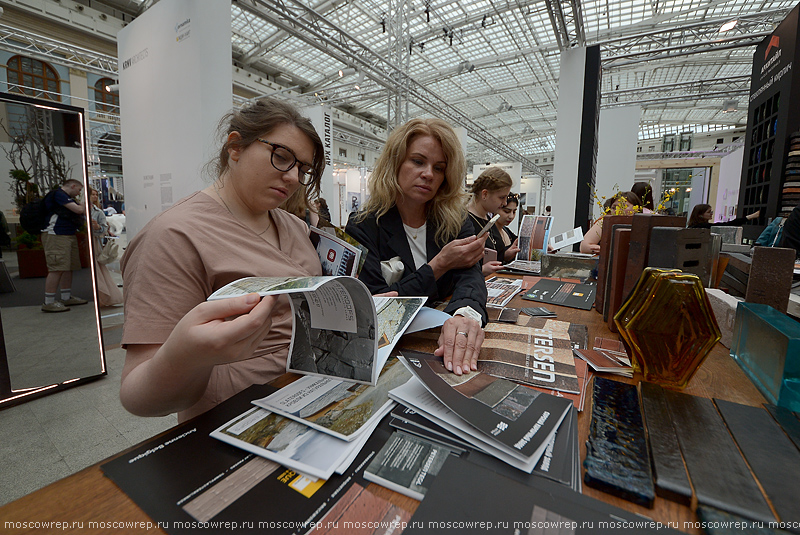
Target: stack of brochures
[(504, 419), (341, 341)]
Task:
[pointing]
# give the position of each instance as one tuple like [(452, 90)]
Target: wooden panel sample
[(771, 455), (669, 471), (717, 471)]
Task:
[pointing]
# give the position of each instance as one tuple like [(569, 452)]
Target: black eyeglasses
[(283, 159)]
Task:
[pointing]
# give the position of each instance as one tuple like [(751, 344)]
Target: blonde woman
[(488, 195), (418, 239)]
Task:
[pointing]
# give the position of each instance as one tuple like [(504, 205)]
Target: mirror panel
[(43, 144)]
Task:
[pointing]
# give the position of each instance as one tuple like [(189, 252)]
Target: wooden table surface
[(88, 496)]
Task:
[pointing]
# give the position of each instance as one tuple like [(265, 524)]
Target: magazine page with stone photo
[(339, 329)]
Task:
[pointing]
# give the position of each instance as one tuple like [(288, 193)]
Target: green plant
[(27, 240)]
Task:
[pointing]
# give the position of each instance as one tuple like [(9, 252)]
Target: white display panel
[(175, 85)]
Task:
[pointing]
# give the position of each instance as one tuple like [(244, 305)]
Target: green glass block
[(766, 344), (668, 325)]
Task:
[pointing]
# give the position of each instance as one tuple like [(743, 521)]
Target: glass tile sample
[(617, 459), (669, 326), (766, 344)]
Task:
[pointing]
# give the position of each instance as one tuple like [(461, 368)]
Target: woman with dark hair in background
[(623, 203), (702, 214), (187, 354), (419, 243), (508, 214), (644, 191)]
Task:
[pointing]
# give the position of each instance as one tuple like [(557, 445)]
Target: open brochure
[(534, 233), (291, 444), (339, 329), (507, 414), (340, 409)]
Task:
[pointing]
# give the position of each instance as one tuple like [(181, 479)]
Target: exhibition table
[(88, 496)]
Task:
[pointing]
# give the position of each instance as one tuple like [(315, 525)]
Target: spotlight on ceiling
[(504, 106), (465, 66), (346, 72), (731, 24), (730, 105), (112, 88)]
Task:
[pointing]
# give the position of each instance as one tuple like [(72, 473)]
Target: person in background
[(322, 208), (623, 203), (186, 354), (61, 246), (488, 195), (108, 294), (772, 235), (508, 214), (791, 231), (420, 243), (702, 215), (644, 191)]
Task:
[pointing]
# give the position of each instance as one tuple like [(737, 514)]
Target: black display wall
[(773, 116), (590, 120)]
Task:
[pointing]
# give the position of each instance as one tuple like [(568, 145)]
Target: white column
[(576, 138), (616, 151), (175, 85)]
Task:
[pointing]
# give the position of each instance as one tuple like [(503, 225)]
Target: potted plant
[(30, 255)]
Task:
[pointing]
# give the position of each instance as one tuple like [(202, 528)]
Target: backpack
[(34, 216)]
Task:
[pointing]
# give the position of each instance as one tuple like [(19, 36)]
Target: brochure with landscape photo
[(339, 329), (341, 409), (516, 416), (289, 443)]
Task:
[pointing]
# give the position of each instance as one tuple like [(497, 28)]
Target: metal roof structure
[(492, 66)]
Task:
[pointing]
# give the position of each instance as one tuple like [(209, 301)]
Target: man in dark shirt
[(61, 246)]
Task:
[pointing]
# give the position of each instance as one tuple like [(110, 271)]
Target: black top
[(387, 239), (494, 240), (739, 221)]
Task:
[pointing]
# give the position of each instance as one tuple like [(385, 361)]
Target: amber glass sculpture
[(668, 325)]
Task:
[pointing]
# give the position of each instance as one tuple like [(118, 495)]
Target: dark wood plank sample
[(771, 455), (669, 472), (787, 420), (617, 461), (718, 473)]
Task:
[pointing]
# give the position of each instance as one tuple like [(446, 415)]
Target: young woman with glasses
[(186, 354)]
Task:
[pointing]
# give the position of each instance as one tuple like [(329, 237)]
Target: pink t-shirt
[(189, 251)]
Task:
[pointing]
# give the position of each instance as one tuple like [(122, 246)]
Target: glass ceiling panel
[(512, 46)]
